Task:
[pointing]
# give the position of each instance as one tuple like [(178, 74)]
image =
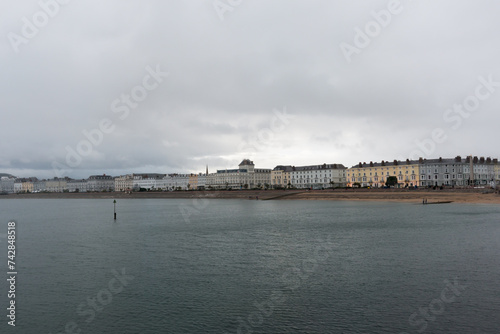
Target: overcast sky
[(279, 82)]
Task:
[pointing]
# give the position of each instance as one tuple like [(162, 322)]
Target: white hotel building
[(7, 184), (245, 177), (146, 181), (174, 182), (318, 176)]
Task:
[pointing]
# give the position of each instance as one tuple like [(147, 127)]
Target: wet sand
[(486, 196), (402, 196)]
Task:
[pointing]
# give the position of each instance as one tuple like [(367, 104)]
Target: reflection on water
[(239, 266)]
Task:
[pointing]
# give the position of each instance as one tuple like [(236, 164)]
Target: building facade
[(317, 176), (280, 177), (375, 174), (246, 176), (447, 172), (56, 185), (18, 185), (100, 183), (150, 181), (175, 181), (496, 169), (193, 182), (7, 184), (458, 172), (39, 186), (124, 182), (25, 185), (202, 181), (77, 186)]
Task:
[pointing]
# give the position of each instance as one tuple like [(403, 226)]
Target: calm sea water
[(238, 266)]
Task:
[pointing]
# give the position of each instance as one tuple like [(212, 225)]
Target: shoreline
[(478, 196)]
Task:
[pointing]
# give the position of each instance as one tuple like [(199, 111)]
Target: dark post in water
[(114, 207)]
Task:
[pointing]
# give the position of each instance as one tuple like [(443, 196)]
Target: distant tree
[(391, 181)]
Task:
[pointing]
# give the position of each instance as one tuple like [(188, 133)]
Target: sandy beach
[(486, 196)]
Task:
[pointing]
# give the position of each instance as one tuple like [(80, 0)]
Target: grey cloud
[(227, 76)]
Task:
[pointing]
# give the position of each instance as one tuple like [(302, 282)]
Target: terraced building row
[(456, 172)]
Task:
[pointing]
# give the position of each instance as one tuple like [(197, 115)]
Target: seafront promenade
[(392, 195)]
